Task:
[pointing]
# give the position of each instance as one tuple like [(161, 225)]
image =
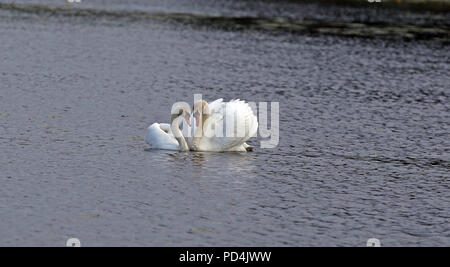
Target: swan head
[(180, 112), (200, 111)]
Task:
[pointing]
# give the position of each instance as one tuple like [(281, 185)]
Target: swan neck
[(205, 115), (179, 135), (199, 131)]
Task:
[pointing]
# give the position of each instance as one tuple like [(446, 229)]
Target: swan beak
[(188, 120), (197, 118)]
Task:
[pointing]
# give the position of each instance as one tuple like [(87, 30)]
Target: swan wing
[(160, 136), (242, 124), (247, 119), (217, 105)]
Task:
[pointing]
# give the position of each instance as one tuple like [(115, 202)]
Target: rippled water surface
[(364, 131)]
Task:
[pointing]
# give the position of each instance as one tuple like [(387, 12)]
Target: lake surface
[(364, 145)]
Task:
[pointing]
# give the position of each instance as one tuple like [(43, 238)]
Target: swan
[(211, 119), (169, 136)]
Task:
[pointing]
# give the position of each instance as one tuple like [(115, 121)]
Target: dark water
[(364, 141)]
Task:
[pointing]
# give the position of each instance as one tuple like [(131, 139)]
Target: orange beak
[(188, 120), (197, 118)]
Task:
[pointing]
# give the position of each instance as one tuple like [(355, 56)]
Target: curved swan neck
[(199, 130), (182, 143), (178, 134), (206, 112)]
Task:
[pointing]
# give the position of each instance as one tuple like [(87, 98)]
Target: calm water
[(364, 141)]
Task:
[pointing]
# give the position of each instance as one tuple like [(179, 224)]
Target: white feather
[(160, 136), (239, 124)]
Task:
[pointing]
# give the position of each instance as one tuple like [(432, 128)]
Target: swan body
[(169, 136), (243, 125), (219, 127), (160, 136)]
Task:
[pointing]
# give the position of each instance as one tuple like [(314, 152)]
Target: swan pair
[(211, 119)]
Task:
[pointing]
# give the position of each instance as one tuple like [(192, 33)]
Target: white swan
[(222, 126), (160, 136), (168, 136)]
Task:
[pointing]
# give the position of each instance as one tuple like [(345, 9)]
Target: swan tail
[(248, 147)]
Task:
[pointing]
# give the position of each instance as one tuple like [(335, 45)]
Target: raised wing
[(236, 121)]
